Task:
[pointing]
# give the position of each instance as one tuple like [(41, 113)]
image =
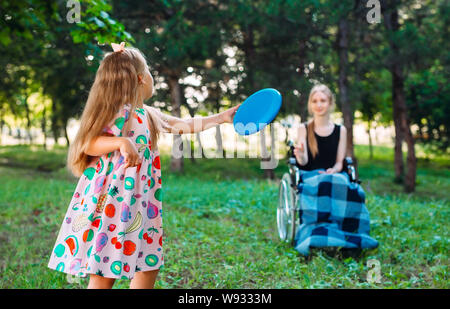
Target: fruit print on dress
[(113, 224)]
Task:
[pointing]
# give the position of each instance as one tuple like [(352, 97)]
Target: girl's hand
[(129, 152), (228, 115)]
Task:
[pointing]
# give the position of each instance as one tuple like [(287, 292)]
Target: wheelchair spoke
[(286, 209)]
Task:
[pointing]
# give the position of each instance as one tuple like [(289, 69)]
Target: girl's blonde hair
[(116, 83), (312, 142)]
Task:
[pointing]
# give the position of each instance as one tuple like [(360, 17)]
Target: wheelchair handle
[(290, 143), (348, 161), (292, 160)]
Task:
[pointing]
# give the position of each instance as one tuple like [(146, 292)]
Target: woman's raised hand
[(129, 152), (298, 151)]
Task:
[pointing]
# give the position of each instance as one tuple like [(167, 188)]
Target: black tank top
[(327, 145)]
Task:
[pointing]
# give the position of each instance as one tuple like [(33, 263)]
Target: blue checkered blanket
[(332, 213)]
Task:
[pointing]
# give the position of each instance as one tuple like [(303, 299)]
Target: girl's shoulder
[(138, 110), (122, 117)]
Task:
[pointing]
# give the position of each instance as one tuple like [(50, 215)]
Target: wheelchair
[(288, 219)]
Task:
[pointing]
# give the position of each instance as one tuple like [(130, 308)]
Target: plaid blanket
[(332, 213)]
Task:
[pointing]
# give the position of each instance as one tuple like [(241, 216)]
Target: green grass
[(220, 228), (33, 157)]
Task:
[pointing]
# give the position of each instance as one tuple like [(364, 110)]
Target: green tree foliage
[(427, 88), (209, 54), (37, 38)]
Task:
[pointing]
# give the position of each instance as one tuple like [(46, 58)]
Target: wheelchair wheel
[(286, 214)]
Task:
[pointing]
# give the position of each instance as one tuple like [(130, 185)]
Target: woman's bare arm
[(302, 157), (342, 148)]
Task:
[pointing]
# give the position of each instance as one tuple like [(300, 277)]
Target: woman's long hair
[(116, 83), (312, 142)]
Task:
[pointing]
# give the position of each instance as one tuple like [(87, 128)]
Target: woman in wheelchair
[(321, 143), (321, 204)]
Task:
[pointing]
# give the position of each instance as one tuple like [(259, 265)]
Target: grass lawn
[(220, 227)]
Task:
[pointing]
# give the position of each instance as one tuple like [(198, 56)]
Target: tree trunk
[(55, 128), (44, 126), (303, 104), (249, 50), (404, 127), (27, 112), (176, 160), (347, 111), (401, 121), (65, 133), (411, 162), (370, 140), (398, 153), (2, 123), (303, 107)]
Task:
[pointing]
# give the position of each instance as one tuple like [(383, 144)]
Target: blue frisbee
[(257, 111)]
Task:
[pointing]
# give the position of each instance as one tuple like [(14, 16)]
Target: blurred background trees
[(207, 55)]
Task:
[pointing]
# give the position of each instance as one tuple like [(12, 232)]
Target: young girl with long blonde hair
[(113, 226), (321, 144)]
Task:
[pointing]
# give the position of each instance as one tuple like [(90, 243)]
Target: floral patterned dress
[(113, 226)]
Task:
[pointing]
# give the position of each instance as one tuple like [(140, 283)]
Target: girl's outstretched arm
[(196, 124)]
